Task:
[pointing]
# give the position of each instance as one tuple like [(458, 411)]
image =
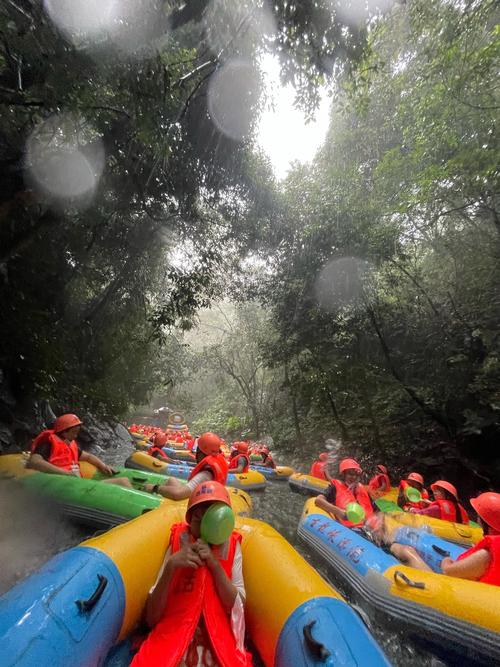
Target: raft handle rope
[(317, 649), (409, 582), (440, 551), (88, 605)]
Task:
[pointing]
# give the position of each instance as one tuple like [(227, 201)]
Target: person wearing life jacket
[(55, 451), (318, 467), (415, 480), (159, 440), (380, 483), (241, 461), (445, 505), (346, 490), (196, 606), (210, 465), (482, 561), (267, 459)]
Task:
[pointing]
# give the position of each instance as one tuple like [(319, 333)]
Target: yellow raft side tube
[(453, 532), (281, 582), (250, 478), (275, 587), (320, 484), (12, 465), (137, 548), (469, 601), (284, 471)]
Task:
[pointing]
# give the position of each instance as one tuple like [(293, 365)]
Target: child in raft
[(479, 563), (196, 605)]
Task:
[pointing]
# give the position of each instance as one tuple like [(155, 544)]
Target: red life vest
[(191, 595), (157, 451), (233, 463), (216, 464), (62, 454), (318, 470), (380, 483), (448, 511), (407, 504), (492, 544), (268, 461), (345, 496)]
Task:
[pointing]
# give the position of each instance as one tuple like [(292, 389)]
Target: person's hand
[(205, 553), (187, 556), (107, 470), (445, 562)]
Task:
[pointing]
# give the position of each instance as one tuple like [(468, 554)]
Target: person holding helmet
[(196, 605), (380, 483), (267, 459), (346, 490), (240, 462), (210, 465), (482, 561), (318, 467), (415, 480), (55, 451), (445, 505)]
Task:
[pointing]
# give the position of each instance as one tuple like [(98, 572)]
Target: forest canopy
[(363, 290)]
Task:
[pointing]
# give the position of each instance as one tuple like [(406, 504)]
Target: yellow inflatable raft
[(292, 614), (464, 614), (248, 481)]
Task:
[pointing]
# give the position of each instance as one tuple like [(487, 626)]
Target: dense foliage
[(382, 298), (367, 306)]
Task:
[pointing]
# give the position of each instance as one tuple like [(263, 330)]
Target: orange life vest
[(420, 505), (380, 483), (192, 595), (492, 544), (63, 454), (345, 496), (318, 470), (448, 511), (233, 463), (268, 461), (216, 464)]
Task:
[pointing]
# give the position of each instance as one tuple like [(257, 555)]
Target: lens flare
[(64, 159), (128, 27), (82, 18), (341, 283), (233, 94)]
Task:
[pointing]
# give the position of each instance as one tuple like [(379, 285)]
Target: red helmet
[(242, 447), (415, 477), (323, 456), (64, 422), (349, 464), (209, 443), (207, 492), (264, 450), (382, 468), (487, 505), (160, 439), (442, 484)]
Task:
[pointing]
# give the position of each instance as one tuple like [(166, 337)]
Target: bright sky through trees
[(283, 133)]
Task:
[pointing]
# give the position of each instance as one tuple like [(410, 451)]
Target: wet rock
[(101, 434)]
